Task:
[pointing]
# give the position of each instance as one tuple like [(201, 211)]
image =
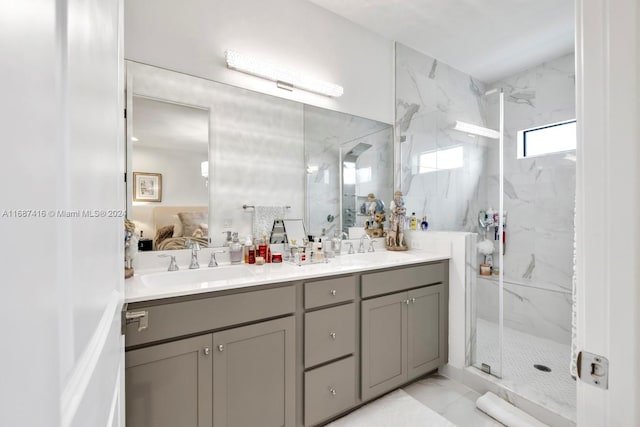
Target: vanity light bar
[(476, 130), (284, 78)]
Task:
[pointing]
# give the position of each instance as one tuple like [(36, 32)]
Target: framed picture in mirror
[(147, 187)]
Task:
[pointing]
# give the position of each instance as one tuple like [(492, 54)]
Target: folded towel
[(505, 412)]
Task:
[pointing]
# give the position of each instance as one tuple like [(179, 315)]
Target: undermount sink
[(203, 275)]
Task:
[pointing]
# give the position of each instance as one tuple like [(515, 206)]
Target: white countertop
[(188, 282)]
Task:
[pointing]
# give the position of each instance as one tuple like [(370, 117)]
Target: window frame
[(522, 140)]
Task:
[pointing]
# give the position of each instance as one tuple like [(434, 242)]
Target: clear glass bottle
[(235, 250)]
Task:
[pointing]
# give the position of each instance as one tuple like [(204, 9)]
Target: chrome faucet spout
[(194, 256), (362, 238)]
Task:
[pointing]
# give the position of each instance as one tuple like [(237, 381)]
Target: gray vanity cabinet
[(240, 370), (254, 375), (426, 330), (169, 385), (404, 333), (384, 344)]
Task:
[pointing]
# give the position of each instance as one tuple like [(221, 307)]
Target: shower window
[(432, 161), (548, 139)]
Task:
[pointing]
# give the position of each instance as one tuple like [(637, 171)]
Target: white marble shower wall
[(539, 197), (430, 97), (539, 192)]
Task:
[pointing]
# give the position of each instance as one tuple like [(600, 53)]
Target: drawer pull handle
[(333, 335), (220, 347), (332, 391), (141, 317), (333, 292), (206, 351)]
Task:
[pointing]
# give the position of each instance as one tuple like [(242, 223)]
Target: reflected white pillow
[(178, 230)]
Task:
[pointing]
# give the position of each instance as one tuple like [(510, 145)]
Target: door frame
[(608, 194)]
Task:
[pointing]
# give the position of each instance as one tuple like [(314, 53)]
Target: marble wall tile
[(539, 192)]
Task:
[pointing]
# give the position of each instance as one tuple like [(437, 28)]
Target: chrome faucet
[(173, 266), (195, 247), (371, 248), (213, 262), (361, 247)]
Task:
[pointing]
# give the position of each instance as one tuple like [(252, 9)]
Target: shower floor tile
[(555, 390)]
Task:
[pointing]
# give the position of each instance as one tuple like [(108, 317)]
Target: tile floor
[(555, 390), (454, 401)]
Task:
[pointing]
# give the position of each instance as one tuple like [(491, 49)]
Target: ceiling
[(489, 39), (166, 125)]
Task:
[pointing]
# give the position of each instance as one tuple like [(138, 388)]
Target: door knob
[(220, 347)]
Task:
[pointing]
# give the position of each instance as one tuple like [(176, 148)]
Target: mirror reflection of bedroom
[(172, 141)]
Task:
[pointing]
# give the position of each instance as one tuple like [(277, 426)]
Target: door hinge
[(593, 369)]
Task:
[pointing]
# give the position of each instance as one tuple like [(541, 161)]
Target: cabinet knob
[(332, 391), (333, 292), (333, 335), (220, 347), (406, 301), (413, 300), (206, 351)]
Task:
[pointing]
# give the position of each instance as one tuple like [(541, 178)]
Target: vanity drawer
[(329, 390), (386, 282), (329, 334), (331, 291), (182, 318)]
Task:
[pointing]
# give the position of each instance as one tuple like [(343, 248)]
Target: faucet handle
[(371, 248), (173, 265), (195, 246), (351, 251), (213, 262)]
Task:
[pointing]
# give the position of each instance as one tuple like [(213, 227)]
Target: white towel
[(263, 217), (505, 412)]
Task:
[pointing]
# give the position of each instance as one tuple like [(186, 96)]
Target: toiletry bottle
[(262, 247), (414, 221), (424, 224), (235, 250), (336, 243), (252, 254), (247, 246), (265, 250)]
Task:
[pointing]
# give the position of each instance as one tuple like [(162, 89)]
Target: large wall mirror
[(234, 160)]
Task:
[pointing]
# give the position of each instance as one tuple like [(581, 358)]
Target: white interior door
[(608, 193), (61, 173)]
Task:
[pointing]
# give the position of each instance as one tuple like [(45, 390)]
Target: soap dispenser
[(235, 249)]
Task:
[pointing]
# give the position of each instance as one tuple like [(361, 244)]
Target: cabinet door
[(384, 360), (426, 328), (253, 375), (169, 385)]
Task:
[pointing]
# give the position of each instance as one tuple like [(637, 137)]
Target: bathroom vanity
[(285, 346)]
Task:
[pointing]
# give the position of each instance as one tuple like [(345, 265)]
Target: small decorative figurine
[(130, 247), (374, 226), (395, 236)]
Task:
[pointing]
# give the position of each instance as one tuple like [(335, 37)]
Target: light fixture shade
[(204, 169), (476, 130), (246, 64)]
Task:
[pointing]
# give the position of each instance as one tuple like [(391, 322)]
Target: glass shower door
[(486, 285)]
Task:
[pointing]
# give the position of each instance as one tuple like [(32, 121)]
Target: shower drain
[(542, 368)]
